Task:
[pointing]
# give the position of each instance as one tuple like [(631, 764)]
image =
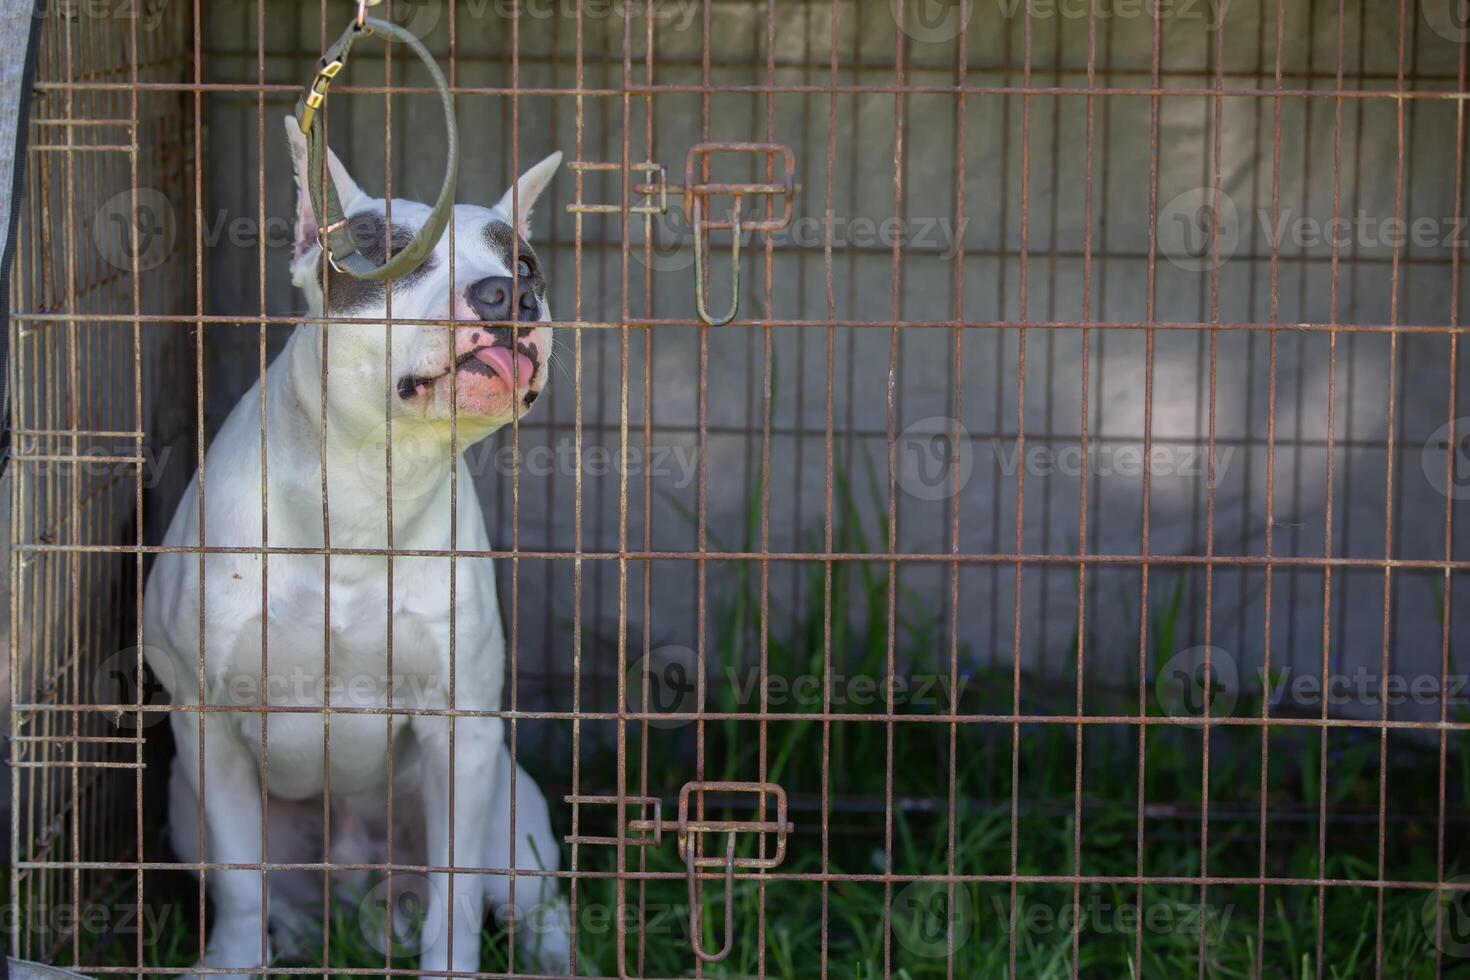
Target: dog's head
[(483, 374)]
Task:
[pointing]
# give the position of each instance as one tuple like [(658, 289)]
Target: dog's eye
[(524, 269)]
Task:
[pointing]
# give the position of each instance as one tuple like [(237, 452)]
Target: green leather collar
[(336, 240)]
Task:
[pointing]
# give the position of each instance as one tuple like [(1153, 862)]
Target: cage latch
[(652, 190), (701, 221), (778, 192), (688, 831), (642, 832)]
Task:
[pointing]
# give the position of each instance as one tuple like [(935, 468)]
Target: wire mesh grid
[(861, 597), (79, 433)]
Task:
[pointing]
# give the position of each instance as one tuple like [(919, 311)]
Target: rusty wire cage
[(1049, 569)]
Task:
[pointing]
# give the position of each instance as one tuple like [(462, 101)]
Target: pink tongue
[(500, 360)]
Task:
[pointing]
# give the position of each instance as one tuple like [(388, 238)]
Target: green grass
[(899, 930)]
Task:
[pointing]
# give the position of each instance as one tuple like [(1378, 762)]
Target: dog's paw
[(233, 946), (543, 939), (555, 962)]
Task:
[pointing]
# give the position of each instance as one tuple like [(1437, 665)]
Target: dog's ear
[(527, 190), (347, 190)]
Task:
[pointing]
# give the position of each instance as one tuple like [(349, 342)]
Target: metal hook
[(699, 260), (696, 933), (362, 6)]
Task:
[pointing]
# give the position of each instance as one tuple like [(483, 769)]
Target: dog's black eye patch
[(369, 231), (370, 234)]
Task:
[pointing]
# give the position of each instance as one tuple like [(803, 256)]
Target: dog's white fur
[(240, 592)]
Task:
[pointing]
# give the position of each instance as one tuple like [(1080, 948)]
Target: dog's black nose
[(491, 299)]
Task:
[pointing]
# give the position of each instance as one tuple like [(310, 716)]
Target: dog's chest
[(347, 629), (346, 666)]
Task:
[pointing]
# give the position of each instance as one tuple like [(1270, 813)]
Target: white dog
[(274, 633)]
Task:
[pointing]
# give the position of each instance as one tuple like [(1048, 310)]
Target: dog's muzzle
[(503, 298)]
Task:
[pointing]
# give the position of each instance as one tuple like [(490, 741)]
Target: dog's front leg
[(231, 834), (457, 908)]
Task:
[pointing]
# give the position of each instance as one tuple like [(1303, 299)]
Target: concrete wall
[(1368, 377)]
